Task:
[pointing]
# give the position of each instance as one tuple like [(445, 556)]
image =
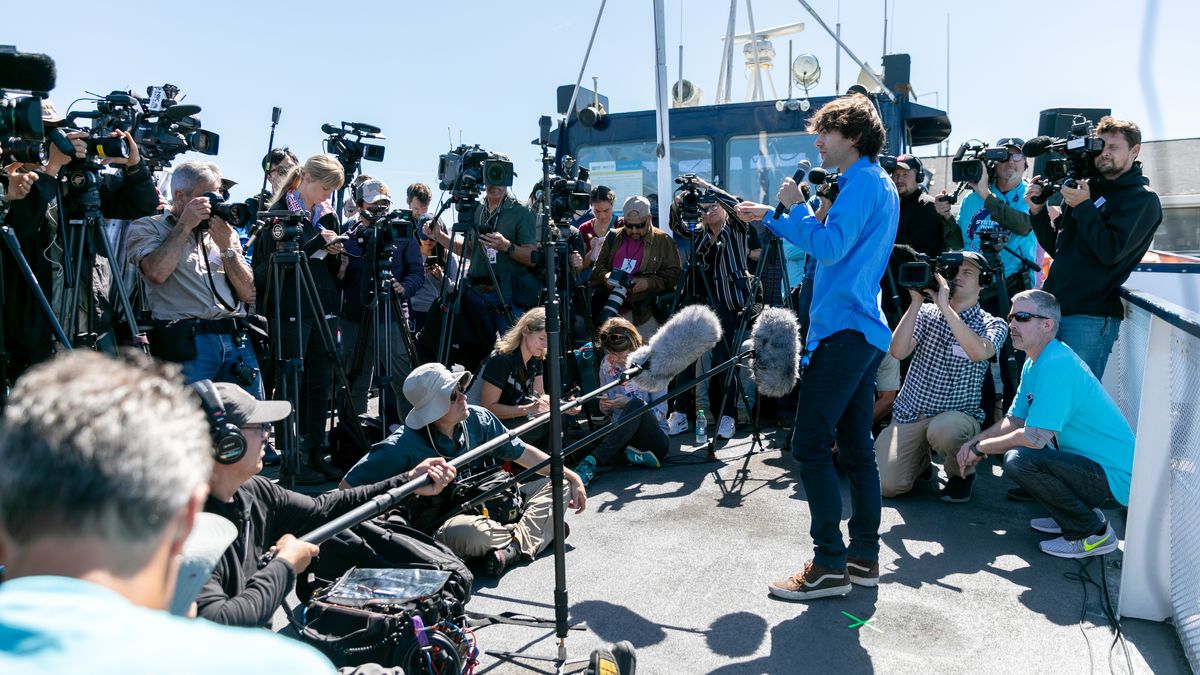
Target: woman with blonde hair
[(308, 189), (640, 443), (510, 380)]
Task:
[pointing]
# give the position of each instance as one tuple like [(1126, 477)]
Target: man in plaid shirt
[(950, 341)]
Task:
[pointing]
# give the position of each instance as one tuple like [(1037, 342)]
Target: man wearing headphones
[(241, 592), (950, 341)]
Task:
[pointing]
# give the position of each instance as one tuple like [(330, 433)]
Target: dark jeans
[(837, 397), (1067, 485), (1091, 338), (644, 434), (723, 398)]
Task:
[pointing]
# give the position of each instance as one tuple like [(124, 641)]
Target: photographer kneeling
[(951, 342), (637, 263), (241, 592), (441, 424)]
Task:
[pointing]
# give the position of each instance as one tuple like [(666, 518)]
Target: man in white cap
[(239, 592), (645, 255), (442, 424)]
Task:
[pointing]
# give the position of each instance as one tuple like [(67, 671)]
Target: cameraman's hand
[(1074, 196), (435, 271), (917, 296), (942, 206), (197, 211), (441, 473), (58, 160), (942, 297), (434, 231), (640, 285), (397, 288), (789, 193), (749, 211), (298, 553), (20, 183), (221, 232), (134, 156), (1034, 189), (597, 244), (495, 240), (981, 186)]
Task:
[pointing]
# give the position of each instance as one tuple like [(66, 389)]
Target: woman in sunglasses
[(640, 443)]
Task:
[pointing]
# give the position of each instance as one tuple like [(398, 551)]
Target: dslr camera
[(621, 281), (919, 274), (237, 214), (1075, 161)]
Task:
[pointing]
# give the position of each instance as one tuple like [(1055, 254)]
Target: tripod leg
[(118, 284), (14, 247)]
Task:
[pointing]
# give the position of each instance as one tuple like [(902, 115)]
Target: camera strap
[(208, 268)]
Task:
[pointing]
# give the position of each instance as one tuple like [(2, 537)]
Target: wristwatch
[(231, 253), (975, 450), (511, 246)]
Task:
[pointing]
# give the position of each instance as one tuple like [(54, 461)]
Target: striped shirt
[(728, 269)]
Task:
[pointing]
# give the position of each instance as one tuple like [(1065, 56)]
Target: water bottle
[(701, 428)]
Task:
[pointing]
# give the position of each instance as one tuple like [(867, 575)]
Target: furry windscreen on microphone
[(692, 332), (776, 344)]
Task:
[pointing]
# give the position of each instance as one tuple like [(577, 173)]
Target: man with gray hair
[(105, 469), (197, 283), (1064, 439)]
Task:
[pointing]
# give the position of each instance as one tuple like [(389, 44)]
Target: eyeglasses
[(263, 429), (457, 393), (1015, 157), (279, 170), (636, 226), (1023, 317)]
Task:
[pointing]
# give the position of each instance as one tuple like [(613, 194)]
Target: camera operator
[(950, 341), (1064, 439), (851, 239), (997, 203), (34, 191), (105, 471), (240, 591), (721, 249), (1106, 226), (197, 283), (373, 200), (921, 226), (441, 424), (642, 255), (307, 188), (438, 268), (508, 248), (595, 230)]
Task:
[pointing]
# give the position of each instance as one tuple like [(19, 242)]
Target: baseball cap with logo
[(1010, 141), (636, 210), (374, 190)]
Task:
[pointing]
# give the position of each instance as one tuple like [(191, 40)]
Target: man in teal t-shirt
[(1065, 441)]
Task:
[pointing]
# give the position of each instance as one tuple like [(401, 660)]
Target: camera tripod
[(1007, 356), (56, 329), (289, 265)]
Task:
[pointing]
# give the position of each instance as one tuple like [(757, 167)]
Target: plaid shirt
[(941, 376)]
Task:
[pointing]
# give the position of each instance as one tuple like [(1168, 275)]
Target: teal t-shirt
[(51, 624), (1058, 393), (408, 447)]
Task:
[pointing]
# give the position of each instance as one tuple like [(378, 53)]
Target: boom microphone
[(690, 334), (1037, 146), (26, 72), (330, 129), (775, 341), (801, 170)]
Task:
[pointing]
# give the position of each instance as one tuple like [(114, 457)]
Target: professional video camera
[(569, 191), (386, 228), (1077, 161), (465, 172), (974, 160), (346, 143), (694, 197), (22, 134), (919, 274)]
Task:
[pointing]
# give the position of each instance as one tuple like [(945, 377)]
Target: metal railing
[(1154, 376)]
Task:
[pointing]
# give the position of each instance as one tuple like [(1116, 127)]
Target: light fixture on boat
[(685, 94)]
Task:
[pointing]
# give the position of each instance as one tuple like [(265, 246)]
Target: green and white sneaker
[(642, 458), (1096, 544), (1051, 526), (586, 469)]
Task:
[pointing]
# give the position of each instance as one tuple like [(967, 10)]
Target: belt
[(207, 326), (483, 287)]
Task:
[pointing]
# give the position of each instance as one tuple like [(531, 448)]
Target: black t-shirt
[(512, 376)]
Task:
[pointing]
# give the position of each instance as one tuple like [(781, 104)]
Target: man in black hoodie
[(1106, 226)]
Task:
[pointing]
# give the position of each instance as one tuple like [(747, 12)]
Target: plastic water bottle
[(701, 428)]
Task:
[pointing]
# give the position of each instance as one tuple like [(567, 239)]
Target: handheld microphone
[(775, 343), (1037, 146), (26, 72), (801, 169), (682, 340)]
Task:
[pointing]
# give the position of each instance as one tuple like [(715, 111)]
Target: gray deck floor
[(677, 561)]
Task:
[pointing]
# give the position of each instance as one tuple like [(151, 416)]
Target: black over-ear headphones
[(986, 275), (229, 443)]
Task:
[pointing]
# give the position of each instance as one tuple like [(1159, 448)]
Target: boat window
[(632, 168), (758, 163)]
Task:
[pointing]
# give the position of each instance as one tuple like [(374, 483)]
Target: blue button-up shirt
[(852, 248)]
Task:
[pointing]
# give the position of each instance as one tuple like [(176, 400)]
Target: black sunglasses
[(1024, 316), (637, 226)]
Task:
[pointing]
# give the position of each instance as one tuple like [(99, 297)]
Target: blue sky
[(486, 71)]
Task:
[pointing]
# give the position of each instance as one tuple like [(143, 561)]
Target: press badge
[(491, 254), (959, 351)]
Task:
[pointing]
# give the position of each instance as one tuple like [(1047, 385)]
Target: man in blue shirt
[(105, 468), (1065, 441), (851, 240)]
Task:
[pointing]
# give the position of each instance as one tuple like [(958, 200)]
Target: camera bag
[(174, 341)]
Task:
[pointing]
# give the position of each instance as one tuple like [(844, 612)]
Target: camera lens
[(108, 147)]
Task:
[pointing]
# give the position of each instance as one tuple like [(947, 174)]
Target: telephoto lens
[(108, 147)]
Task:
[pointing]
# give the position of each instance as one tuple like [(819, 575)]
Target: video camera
[(694, 198), (919, 274), (351, 151), (826, 182), (386, 228), (974, 160), (465, 172), (569, 191), (22, 134), (1077, 161)]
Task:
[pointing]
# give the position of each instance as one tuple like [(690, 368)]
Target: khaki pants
[(473, 536), (902, 450)]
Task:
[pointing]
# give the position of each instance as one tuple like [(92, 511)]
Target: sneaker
[(958, 490), (1095, 544), (497, 560), (642, 458), (586, 469), (816, 581), (677, 423), (863, 572), (1020, 494), (727, 427), (1051, 526)]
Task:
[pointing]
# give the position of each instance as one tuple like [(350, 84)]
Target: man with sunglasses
[(1064, 439), (242, 592), (643, 252)]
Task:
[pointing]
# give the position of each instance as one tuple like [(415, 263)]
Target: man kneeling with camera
[(950, 341), (442, 425)]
